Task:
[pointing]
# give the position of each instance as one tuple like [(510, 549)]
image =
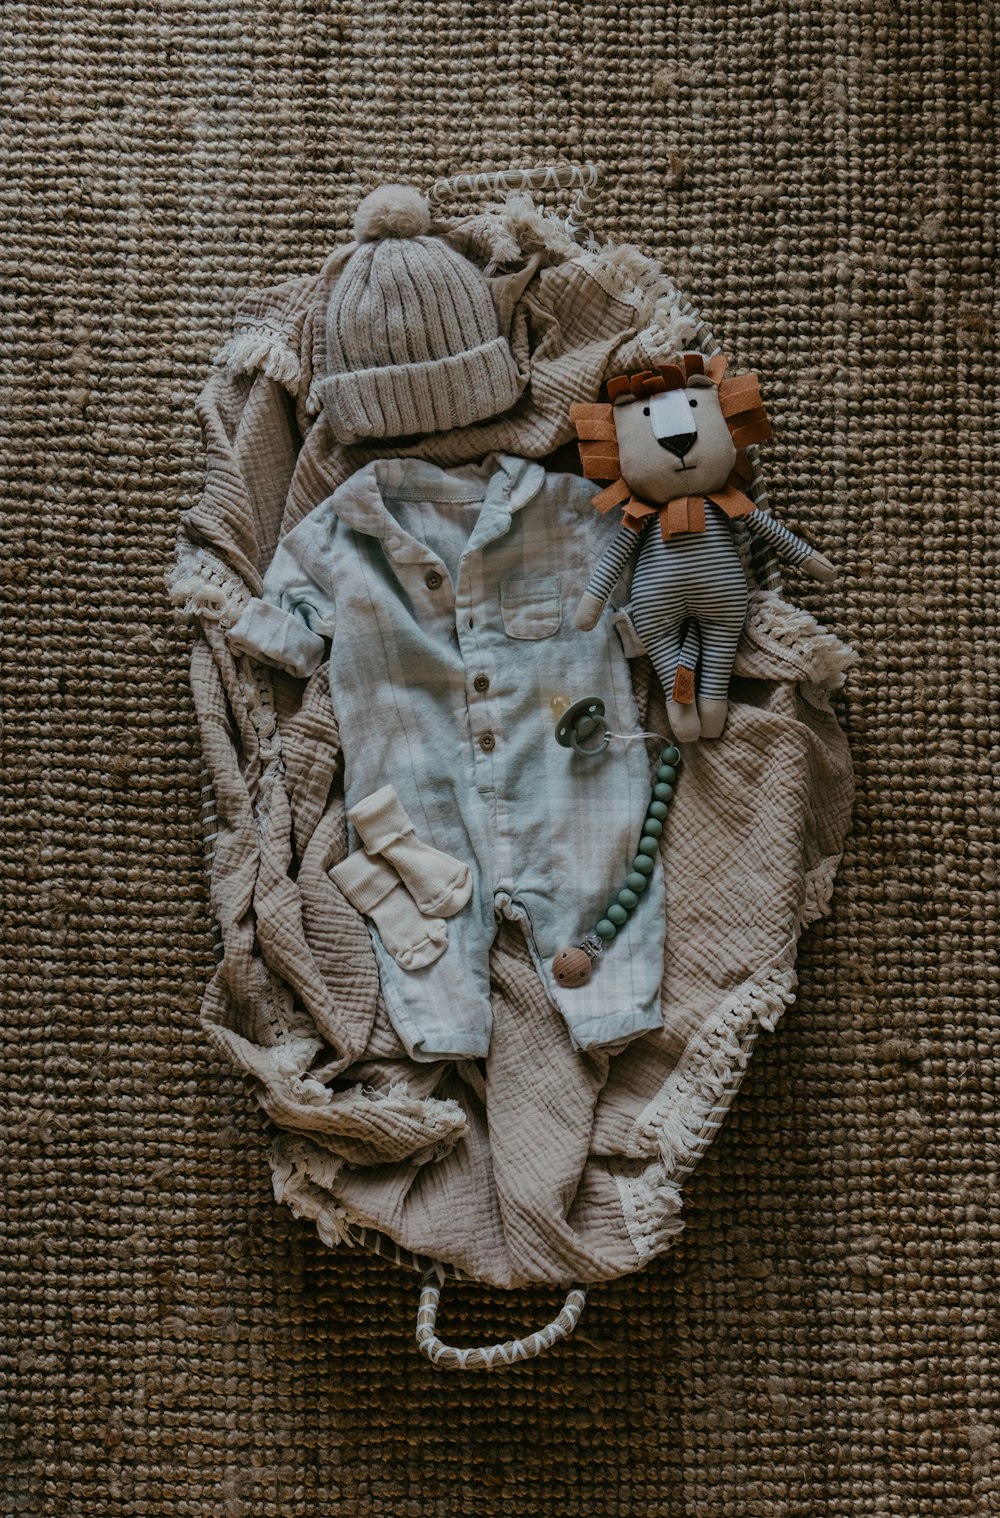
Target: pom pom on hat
[(393, 210), (413, 338)]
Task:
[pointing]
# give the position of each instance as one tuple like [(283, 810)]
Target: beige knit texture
[(413, 338), (819, 1343)]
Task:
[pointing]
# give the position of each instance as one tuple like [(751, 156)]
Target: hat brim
[(438, 395)]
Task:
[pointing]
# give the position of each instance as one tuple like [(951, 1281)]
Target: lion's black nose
[(680, 444)]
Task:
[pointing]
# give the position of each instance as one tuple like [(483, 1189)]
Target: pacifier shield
[(580, 723)]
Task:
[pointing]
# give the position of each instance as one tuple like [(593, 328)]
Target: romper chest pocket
[(531, 608)]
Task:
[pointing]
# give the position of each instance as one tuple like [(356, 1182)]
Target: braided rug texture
[(822, 1341)]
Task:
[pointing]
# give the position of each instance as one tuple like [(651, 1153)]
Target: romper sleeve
[(288, 623)]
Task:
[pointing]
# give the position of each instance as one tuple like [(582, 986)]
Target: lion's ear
[(716, 367), (592, 421), (598, 440), (744, 411)]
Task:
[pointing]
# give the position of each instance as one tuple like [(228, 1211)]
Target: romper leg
[(442, 1011), (579, 822)]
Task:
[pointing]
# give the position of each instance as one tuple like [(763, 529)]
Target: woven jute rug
[(822, 1339)]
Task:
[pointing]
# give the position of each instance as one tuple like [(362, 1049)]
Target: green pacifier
[(582, 727)]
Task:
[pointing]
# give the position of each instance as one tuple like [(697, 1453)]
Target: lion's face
[(671, 433), (676, 443)]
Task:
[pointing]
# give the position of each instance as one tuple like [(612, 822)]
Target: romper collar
[(502, 482)]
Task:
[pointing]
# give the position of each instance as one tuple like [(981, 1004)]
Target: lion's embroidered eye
[(692, 404), (645, 410)]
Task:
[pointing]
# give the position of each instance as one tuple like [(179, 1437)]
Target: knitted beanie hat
[(413, 340)]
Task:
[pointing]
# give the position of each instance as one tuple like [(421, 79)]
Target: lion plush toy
[(671, 440)]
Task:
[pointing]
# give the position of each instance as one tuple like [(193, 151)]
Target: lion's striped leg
[(664, 649), (718, 654)]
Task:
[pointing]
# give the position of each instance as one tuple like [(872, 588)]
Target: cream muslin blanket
[(539, 1164)]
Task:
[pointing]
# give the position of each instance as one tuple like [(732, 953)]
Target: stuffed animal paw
[(588, 611), (819, 567)]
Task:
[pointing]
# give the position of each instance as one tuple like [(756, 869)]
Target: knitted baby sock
[(438, 883), (375, 889)]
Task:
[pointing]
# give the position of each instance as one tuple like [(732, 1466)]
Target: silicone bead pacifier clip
[(582, 727)]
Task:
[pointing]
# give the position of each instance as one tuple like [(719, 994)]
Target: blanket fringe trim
[(681, 1122), (678, 1126), (263, 349), (777, 626), (201, 585), (302, 1173), (514, 228)]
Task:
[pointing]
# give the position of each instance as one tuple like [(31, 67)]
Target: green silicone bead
[(628, 899), (662, 792), (605, 929), (652, 827), (643, 865), (658, 809), (666, 773), (648, 846), (636, 882), (617, 914), (669, 755)]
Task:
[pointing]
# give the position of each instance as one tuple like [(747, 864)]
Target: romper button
[(432, 579), (487, 741), (482, 682)]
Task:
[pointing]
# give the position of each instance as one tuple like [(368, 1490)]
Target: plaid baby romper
[(447, 596)]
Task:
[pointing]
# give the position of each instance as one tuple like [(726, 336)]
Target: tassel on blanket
[(260, 350), (822, 657)]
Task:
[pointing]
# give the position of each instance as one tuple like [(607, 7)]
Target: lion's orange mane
[(742, 408)]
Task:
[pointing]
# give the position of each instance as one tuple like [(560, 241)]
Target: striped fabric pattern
[(611, 566), (787, 544), (696, 578)]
